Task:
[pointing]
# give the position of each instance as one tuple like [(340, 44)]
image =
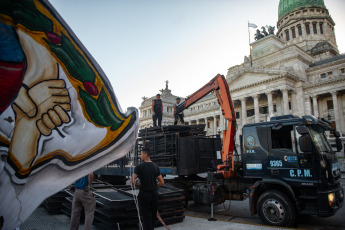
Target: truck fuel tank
[(208, 193)]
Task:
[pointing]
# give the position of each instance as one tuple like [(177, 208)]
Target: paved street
[(230, 215), (239, 212)]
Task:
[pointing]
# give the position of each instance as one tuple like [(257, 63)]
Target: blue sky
[(140, 44)]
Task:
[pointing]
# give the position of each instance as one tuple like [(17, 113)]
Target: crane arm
[(219, 85)]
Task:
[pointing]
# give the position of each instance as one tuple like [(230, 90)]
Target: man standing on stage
[(157, 109), (180, 115)]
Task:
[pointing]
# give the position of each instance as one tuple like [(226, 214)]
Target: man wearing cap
[(157, 109)]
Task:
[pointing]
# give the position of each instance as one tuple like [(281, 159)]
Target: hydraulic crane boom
[(219, 85)]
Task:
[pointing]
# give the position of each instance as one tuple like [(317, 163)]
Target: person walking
[(157, 109), (83, 197), (180, 115), (148, 173)]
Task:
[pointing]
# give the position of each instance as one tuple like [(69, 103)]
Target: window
[(299, 30), (290, 105), (208, 125), (287, 35), (263, 110), (328, 74), (329, 104), (307, 28), (250, 112), (314, 28), (217, 123), (321, 28), (281, 138), (293, 30), (274, 108), (237, 115), (342, 71)]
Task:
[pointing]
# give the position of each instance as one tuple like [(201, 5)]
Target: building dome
[(288, 6)]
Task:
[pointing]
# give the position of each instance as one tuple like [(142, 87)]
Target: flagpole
[(250, 49)]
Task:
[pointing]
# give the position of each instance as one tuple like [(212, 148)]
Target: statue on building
[(166, 84), (264, 32), (258, 35), (166, 91), (246, 62), (271, 29)]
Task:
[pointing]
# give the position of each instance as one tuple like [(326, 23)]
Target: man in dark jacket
[(148, 173), (157, 109)]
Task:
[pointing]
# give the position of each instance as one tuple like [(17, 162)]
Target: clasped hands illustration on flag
[(59, 117)]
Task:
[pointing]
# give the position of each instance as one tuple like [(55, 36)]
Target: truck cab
[(291, 156)]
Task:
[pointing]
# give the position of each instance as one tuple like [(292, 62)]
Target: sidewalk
[(41, 220), (192, 223)]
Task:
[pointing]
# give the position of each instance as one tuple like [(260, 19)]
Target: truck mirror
[(305, 143), (338, 144), (302, 130)]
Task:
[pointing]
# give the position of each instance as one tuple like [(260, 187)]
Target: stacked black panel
[(163, 142), (116, 207), (53, 204), (170, 204)]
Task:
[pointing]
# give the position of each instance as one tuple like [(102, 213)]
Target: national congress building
[(298, 70)]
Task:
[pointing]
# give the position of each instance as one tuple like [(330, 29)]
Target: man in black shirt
[(147, 172), (157, 109)]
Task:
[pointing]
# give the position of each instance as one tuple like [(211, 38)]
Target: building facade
[(168, 108), (296, 71)]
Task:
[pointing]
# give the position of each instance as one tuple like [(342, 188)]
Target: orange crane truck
[(285, 166)]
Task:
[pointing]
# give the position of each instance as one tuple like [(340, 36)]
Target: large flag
[(252, 25), (59, 116)]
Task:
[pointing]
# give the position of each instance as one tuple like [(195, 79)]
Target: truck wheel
[(275, 208)]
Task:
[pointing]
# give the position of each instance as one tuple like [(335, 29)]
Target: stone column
[(256, 108), (336, 109), (244, 111), (294, 103), (307, 107), (341, 114), (315, 106), (286, 101), (270, 103), (300, 96), (214, 125)]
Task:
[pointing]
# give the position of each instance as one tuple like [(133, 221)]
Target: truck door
[(285, 156), (306, 160), (282, 155)]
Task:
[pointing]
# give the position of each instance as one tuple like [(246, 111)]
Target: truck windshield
[(320, 139)]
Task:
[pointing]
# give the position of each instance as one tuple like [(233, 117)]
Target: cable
[(135, 200)]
